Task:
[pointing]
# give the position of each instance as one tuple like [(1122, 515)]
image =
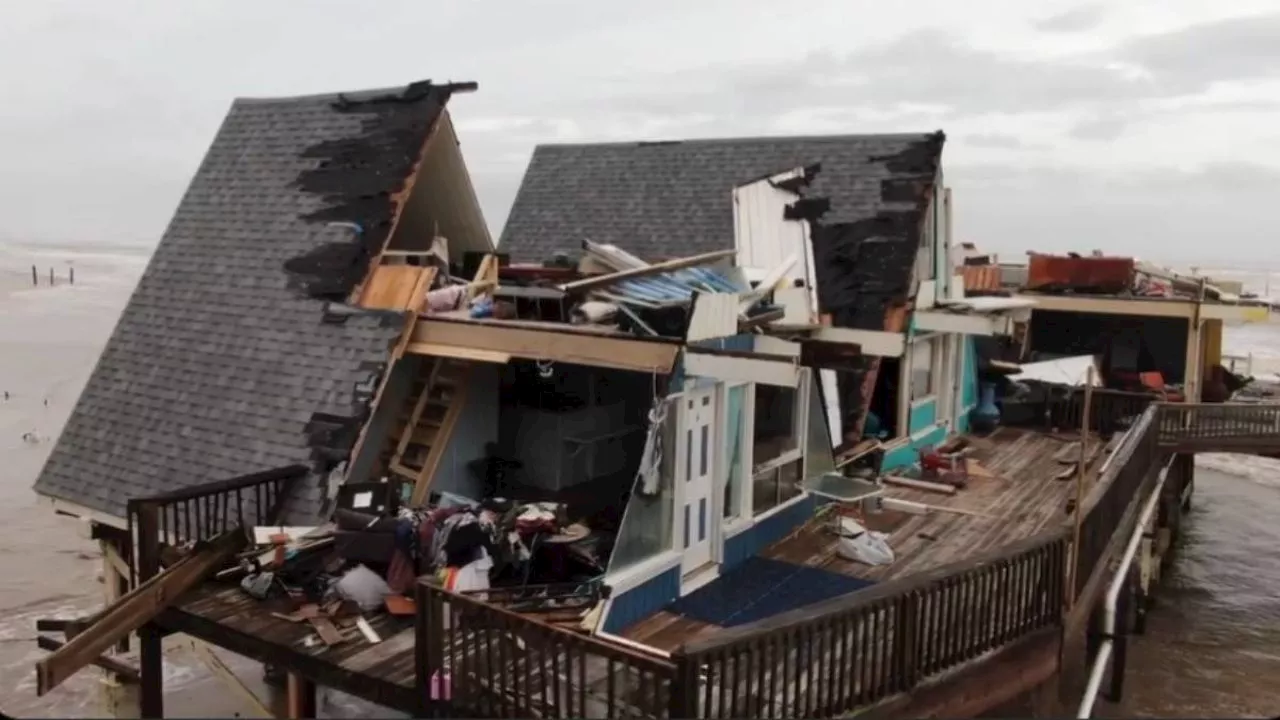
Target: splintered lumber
[(122, 670), (918, 508), (135, 609), (656, 269), (920, 484)]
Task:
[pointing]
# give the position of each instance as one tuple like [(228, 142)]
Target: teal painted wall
[(922, 416), (909, 454)]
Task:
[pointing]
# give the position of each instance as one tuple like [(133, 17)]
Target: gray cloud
[(1077, 19), (1101, 127), (999, 141)]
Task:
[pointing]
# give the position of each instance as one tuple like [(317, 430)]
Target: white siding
[(763, 238)]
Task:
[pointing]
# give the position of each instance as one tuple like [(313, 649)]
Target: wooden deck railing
[(847, 653), (475, 659), (1110, 411), (205, 511), (1224, 426), (1131, 463)]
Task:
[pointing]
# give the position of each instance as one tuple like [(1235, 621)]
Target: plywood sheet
[(391, 287)]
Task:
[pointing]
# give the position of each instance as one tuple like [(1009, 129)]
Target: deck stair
[(426, 423)]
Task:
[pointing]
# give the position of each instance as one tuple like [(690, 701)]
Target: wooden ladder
[(428, 425)]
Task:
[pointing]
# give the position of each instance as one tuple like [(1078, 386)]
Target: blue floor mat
[(761, 588)]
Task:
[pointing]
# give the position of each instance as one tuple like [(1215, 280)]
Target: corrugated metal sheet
[(674, 287), (981, 277)]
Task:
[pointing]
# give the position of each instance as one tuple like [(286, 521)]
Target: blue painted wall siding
[(643, 600), (764, 533)]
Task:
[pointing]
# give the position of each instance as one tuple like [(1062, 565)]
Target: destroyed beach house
[(695, 439)]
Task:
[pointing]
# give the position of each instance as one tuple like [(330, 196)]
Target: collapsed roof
[(236, 351), (671, 199)]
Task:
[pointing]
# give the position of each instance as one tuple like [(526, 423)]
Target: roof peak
[(745, 140)]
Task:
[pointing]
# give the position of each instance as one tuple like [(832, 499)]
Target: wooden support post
[(151, 662), (302, 697), (150, 652)]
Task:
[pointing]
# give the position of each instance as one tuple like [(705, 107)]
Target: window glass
[(775, 486), (818, 458), (922, 369), (646, 525), (734, 434), (776, 423)]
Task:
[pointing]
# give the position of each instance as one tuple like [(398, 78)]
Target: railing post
[(684, 687), (905, 636), (434, 686)]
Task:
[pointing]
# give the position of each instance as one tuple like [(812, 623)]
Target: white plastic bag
[(474, 575), (862, 545)]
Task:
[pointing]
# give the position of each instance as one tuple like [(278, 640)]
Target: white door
[(696, 473)]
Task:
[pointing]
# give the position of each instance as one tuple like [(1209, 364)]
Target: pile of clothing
[(485, 538)]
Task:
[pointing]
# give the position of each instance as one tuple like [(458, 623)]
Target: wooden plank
[(740, 369), (422, 483), (602, 281), (622, 353), (134, 610), (459, 353), (391, 287), (123, 671), (919, 484)]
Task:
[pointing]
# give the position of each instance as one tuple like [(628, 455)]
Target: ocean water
[(1212, 647)]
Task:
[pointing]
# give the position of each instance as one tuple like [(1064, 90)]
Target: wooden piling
[(35, 279), (301, 697)]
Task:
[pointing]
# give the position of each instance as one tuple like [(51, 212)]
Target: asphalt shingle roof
[(229, 358), (669, 199)]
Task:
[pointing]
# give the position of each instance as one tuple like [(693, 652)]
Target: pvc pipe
[(1118, 581)]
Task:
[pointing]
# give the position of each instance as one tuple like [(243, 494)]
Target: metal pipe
[(1118, 581)]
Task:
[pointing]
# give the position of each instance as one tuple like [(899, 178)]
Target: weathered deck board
[(380, 672), (1021, 500)]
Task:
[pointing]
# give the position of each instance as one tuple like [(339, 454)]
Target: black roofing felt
[(229, 358), (670, 199), (661, 200)]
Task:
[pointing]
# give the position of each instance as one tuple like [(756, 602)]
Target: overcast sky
[(1140, 126)]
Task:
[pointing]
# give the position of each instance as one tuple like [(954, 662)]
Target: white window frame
[(742, 502), (802, 422), (927, 255), (933, 341)]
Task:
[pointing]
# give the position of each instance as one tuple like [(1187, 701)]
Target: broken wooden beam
[(924, 485), (123, 671), (137, 608), (600, 281)]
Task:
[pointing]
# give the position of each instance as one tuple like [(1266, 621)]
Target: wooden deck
[(226, 616), (1023, 498)]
